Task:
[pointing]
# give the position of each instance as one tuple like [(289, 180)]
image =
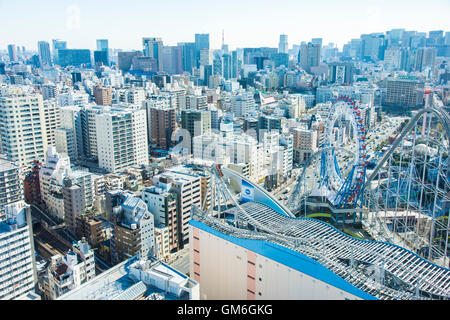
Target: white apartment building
[(22, 120), (53, 171), (121, 139), (70, 271), (52, 120), (72, 98), (17, 273), (134, 96)]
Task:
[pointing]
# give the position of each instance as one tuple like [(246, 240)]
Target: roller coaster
[(403, 202)]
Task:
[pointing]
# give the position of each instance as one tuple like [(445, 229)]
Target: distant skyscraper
[(153, 47), (317, 41), (309, 56), (201, 42), (12, 52), (74, 57), (226, 66), (283, 44), (57, 45), (188, 56), (44, 53), (102, 44), (103, 57)]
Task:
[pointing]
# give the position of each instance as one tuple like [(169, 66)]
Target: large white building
[(22, 120), (73, 98), (17, 272), (121, 139)]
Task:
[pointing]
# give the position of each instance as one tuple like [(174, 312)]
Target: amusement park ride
[(403, 203)]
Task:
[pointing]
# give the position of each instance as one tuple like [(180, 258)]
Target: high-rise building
[(52, 120), (188, 56), (31, 185), (44, 53), (57, 45), (125, 59), (187, 186), (196, 123), (18, 276), (163, 124), (12, 52), (201, 42), (404, 93), (102, 45), (309, 56), (162, 203), (226, 66), (153, 48), (10, 187), (283, 44), (27, 111), (121, 139), (425, 57), (74, 203), (74, 57), (103, 95), (173, 59), (101, 58), (340, 73)]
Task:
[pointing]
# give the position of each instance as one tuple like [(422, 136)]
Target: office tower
[(217, 65), (173, 59), (74, 203), (162, 203), (188, 56), (226, 66), (404, 93), (145, 64), (280, 59), (44, 54), (18, 276), (102, 45), (52, 120), (12, 52), (153, 48), (25, 110), (234, 65), (372, 46), (57, 45), (435, 37), (425, 57), (283, 44), (201, 42), (187, 186), (206, 72), (101, 58), (74, 57), (309, 56), (133, 230), (340, 73), (103, 95), (196, 123), (395, 36), (10, 187), (317, 41), (121, 139), (163, 124), (76, 77), (125, 59), (447, 38), (70, 271)]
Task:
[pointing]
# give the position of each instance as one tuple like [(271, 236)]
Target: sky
[(246, 23)]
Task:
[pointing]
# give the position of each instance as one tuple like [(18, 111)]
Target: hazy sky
[(247, 23)]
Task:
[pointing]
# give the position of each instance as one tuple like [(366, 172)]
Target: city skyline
[(80, 23)]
